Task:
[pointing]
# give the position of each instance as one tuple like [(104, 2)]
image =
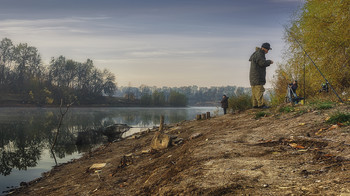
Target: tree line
[(24, 78), (175, 96)]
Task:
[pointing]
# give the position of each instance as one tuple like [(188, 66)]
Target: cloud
[(35, 26), (153, 42)]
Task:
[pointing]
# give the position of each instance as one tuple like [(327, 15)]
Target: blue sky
[(154, 42)]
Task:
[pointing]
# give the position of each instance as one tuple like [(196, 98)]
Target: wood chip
[(97, 165)]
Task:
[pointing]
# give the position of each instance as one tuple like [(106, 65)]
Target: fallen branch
[(63, 113), (323, 140)]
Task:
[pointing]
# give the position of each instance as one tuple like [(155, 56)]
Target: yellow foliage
[(322, 28), (46, 91), (31, 95), (49, 100)]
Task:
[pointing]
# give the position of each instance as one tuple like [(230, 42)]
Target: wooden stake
[(208, 115), (161, 125)]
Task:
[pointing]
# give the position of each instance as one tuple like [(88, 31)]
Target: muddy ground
[(293, 153)]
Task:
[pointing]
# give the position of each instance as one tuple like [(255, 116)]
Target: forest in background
[(24, 80), (195, 96)]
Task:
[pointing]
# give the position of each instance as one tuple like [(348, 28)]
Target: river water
[(26, 135)]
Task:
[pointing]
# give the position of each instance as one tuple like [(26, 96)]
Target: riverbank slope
[(246, 153)]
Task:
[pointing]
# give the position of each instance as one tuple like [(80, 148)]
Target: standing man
[(224, 103), (257, 74)]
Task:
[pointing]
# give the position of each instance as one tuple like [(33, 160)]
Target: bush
[(240, 102)]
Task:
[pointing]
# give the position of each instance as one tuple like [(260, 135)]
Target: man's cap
[(266, 45)]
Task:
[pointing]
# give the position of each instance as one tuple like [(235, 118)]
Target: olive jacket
[(258, 64)]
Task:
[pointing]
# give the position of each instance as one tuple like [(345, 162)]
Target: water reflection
[(25, 133)]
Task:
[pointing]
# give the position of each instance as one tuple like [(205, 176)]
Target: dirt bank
[(279, 154)]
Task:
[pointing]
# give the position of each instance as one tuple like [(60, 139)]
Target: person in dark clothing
[(257, 74), (294, 86), (224, 103), (324, 87), (292, 93)]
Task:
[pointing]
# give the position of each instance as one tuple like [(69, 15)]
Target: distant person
[(294, 86), (292, 92), (257, 74), (224, 103), (324, 87)]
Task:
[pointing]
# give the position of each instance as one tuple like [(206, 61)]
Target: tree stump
[(198, 117), (160, 141), (204, 116)]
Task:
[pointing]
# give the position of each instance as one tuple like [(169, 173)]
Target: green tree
[(158, 98), (177, 99), (322, 28), (27, 61), (6, 56), (146, 100), (109, 86)]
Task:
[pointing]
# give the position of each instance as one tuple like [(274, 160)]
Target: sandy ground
[(294, 153)]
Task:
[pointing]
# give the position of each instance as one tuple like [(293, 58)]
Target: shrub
[(240, 102)]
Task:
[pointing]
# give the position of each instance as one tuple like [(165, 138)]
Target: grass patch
[(287, 109), (261, 114), (339, 117), (301, 112), (322, 105)]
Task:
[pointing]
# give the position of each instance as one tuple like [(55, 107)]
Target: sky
[(154, 42)]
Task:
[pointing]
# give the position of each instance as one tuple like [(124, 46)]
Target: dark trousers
[(224, 110)]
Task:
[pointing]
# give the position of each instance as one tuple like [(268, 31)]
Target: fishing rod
[(327, 82)]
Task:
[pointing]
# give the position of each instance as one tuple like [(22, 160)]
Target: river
[(26, 135)]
